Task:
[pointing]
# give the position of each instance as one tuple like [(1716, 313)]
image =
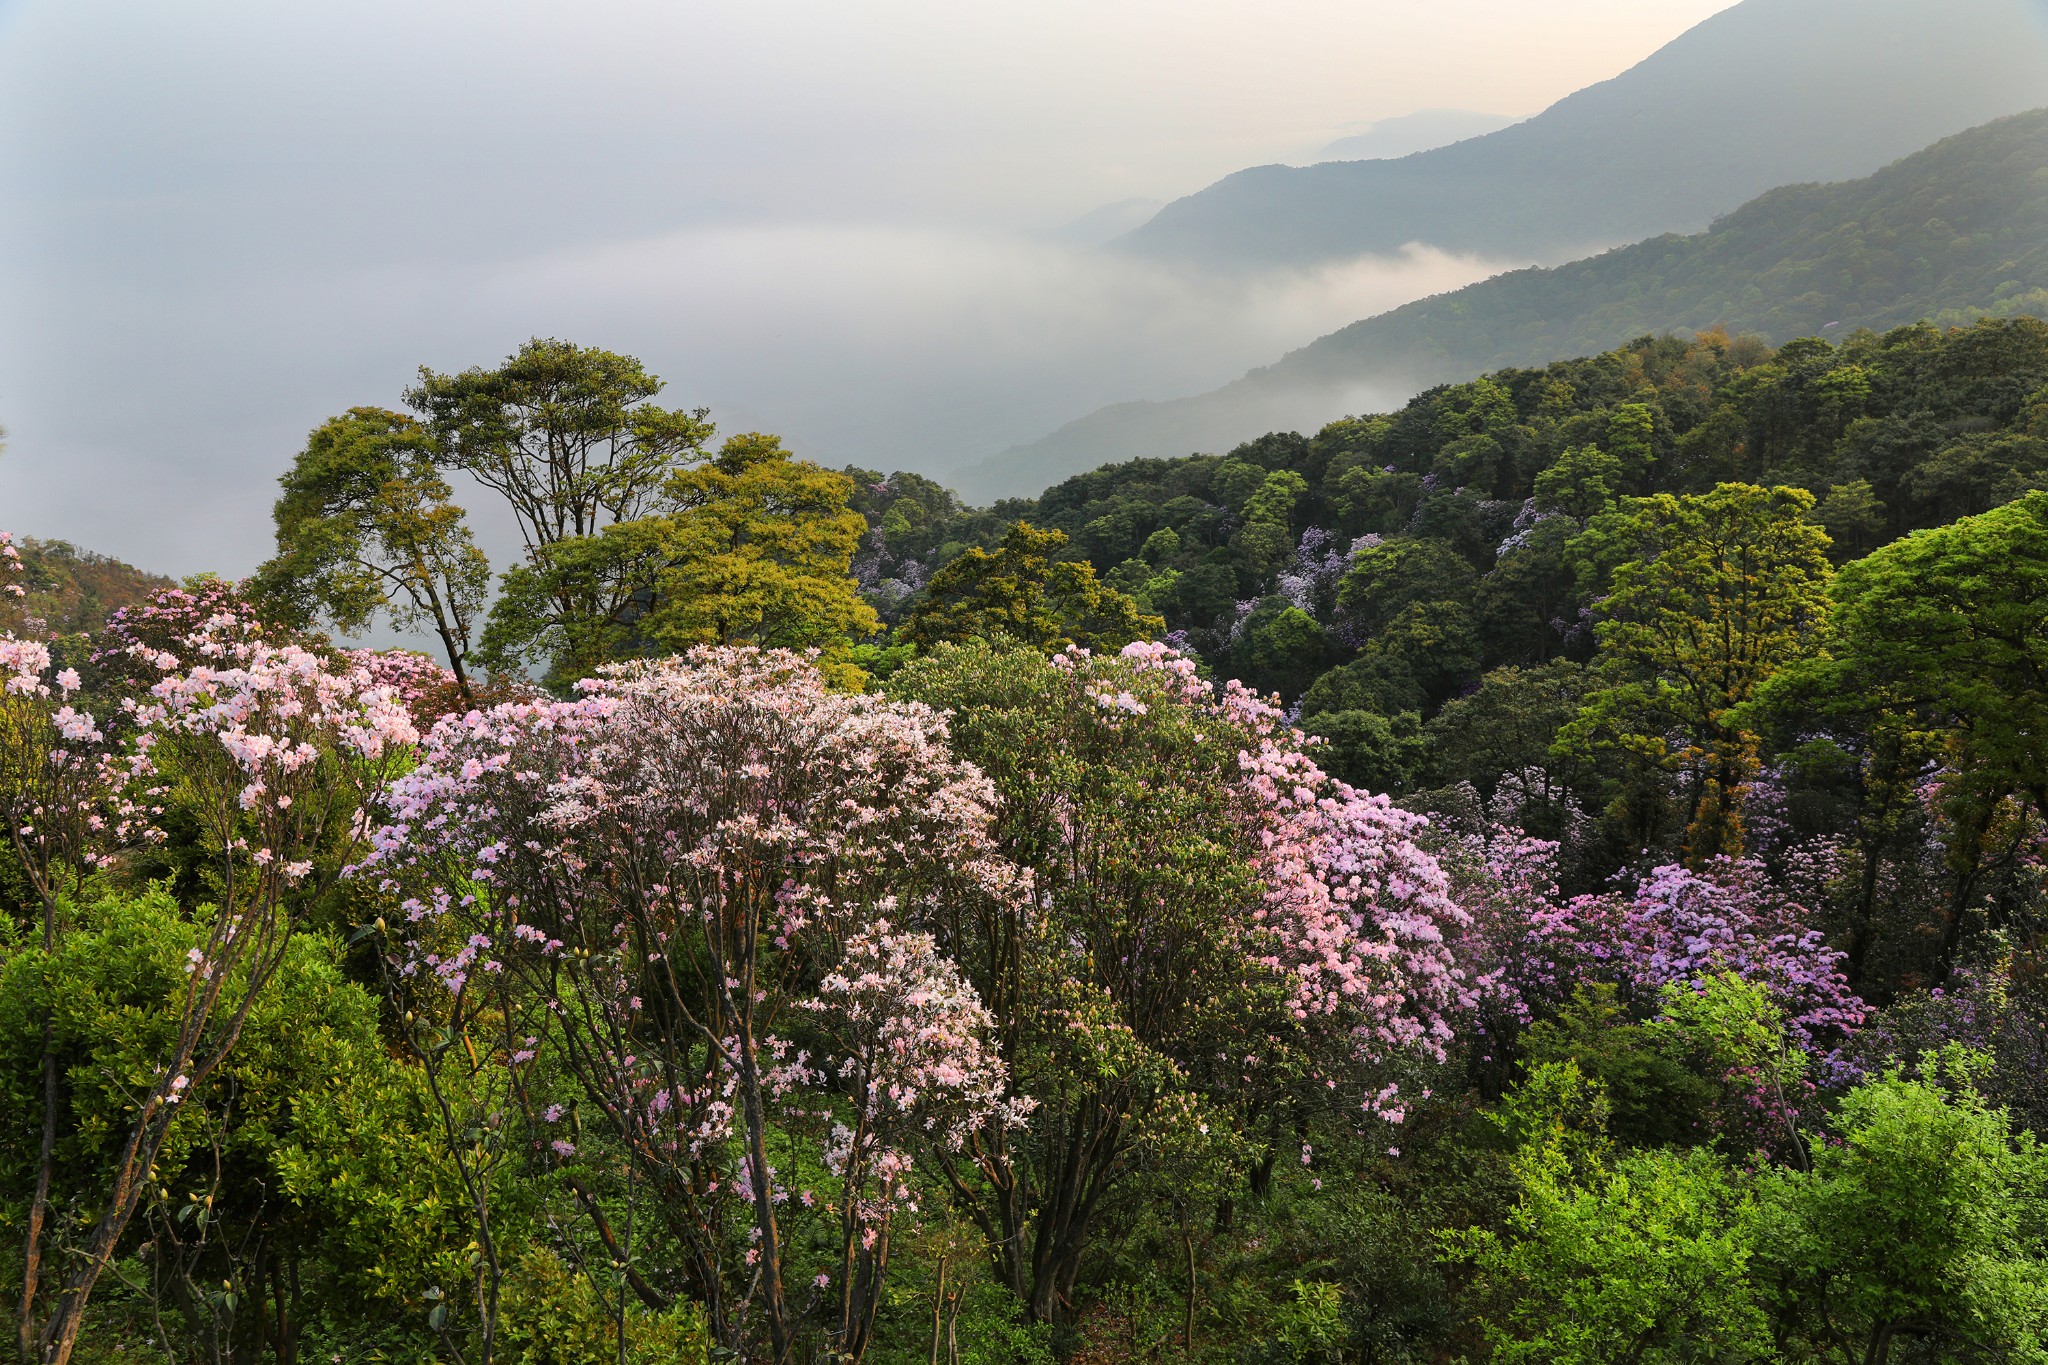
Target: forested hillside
[(1766, 93), (75, 590), (1424, 587), (1557, 872), (1956, 231)]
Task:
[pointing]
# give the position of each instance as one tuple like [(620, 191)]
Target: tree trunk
[(32, 1251), (46, 1157), (781, 1339)]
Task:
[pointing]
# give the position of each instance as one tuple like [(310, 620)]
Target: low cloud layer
[(886, 347)]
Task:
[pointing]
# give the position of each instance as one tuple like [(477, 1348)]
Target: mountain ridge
[(1955, 231), (1766, 93)]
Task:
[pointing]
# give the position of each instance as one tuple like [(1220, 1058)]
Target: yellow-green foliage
[(550, 1315)]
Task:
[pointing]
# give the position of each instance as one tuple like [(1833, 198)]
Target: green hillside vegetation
[(1954, 232), (1423, 584), (76, 590), (1554, 872)]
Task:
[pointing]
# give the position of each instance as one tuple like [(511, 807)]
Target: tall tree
[(1198, 884), (1939, 642), (368, 524), (745, 864), (753, 548), (1020, 591), (1707, 596), (759, 546), (1954, 621), (564, 433)]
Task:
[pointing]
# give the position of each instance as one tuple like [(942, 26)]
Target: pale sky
[(221, 222)]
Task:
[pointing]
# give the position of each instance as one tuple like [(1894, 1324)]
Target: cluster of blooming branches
[(1522, 947), (1360, 916), (1312, 574), (53, 767), (912, 1053), (177, 621), (10, 567), (270, 751), (685, 868), (426, 689), (1528, 947), (51, 757), (912, 1040), (1356, 918), (262, 718), (1681, 925)]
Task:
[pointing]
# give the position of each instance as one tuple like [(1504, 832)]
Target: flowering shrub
[(1355, 914), (270, 751), (1523, 949), (665, 866), (11, 567), (176, 621), (1680, 926), (427, 690), (1677, 927)]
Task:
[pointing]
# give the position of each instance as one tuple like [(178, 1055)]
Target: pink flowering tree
[(1357, 919), (51, 788), (1217, 927), (177, 621), (271, 752), (1525, 947), (686, 879), (910, 1050)]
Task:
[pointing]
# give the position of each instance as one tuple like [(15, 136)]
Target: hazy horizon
[(226, 221)]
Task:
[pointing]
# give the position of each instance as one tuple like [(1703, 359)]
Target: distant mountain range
[(1417, 132), (1769, 92), (1956, 231)]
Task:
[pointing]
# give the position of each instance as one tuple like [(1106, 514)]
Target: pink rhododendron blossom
[(657, 862)]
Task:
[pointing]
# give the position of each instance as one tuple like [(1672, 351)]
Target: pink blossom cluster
[(53, 765), (916, 1060), (914, 1039), (1357, 918), (1361, 918), (687, 853), (1529, 949), (1681, 925), (1525, 947), (177, 621), (258, 720), (11, 567), (419, 683)]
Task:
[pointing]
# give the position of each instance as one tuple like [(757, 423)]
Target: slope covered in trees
[(1955, 231), (76, 590), (1768, 92), (1425, 585)]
